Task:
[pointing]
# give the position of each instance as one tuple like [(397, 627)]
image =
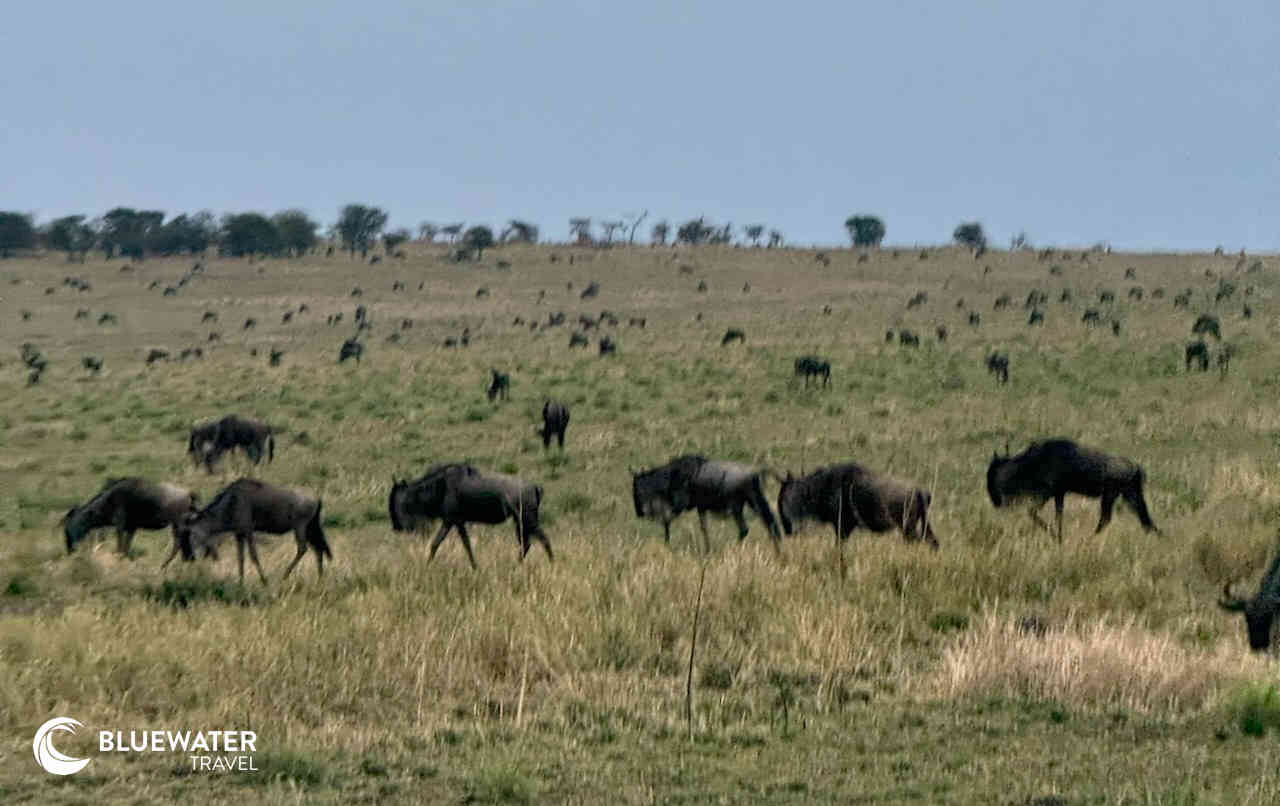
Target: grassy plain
[(394, 680)]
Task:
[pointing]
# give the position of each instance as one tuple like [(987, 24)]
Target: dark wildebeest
[(287, 318), (247, 506), (607, 346), (157, 354), (941, 331), (1052, 468), (1091, 317), (1207, 324), (1225, 355), (975, 318), (590, 291), (694, 482), (350, 349), (920, 298), (209, 441), (907, 338), (92, 363), (129, 504), (1135, 293), (849, 496), (812, 367), (555, 419), (733, 334), (998, 365), (1247, 311), (108, 319), (275, 357), (459, 494), (1036, 317), (1259, 612), (209, 316), (250, 323), (578, 339), (702, 286), (1198, 352), (499, 386), (636, 321), (83, 313), (1003, 301), (1105, 297)]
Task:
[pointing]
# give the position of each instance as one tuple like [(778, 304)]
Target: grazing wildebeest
[(170, 291), (1106, 296), (481, 293), (941, 331), (907, 338), (1259, 612), (1135, 293), (578, 339), (499, 386), (1198, 352), (555, 419), (826, 310), (975, 318), (1035, 298), (91, 363), (287, 318), (459, 494), (406, 324), (888, 337), (250, 323), (83, 313), (998, 365), (209, 316), (1206, 323), (129, 504), (357, 292), (1036, 317), (1225, 355), (607, 346), (247, 506), (1003, 301), (811, 367), (746, 288), (920, 298), (209, 441), (636, 321), (397, 286), (108, 319), (215, 336), (156, 354), (586, 322), (276, 355), (694, 482), (555, 319), (303, 308), (849, 496), (733, 334), (350, 349), (592, 289), (1052, 468), (26, 316), (1092, 317)]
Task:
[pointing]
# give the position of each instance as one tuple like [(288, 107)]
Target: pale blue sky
[(1150, 124)]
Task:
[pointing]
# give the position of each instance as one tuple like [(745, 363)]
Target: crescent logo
[(47, 756)]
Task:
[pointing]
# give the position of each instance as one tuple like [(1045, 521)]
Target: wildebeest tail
[(1138, 501), (271, 446), (315, 534)]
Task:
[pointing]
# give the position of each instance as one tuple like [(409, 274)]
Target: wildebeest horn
[(1229, 602)]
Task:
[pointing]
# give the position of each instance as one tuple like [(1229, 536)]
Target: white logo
[(47, 755)]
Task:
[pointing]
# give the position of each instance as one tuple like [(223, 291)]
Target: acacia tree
[(865, 230), (694, 231), (451, 231), (358, 227), (775, 238), (658, 235), (248, 234), (393, 239), (16, 232), (580, 230), (635, 225), (130, 232), (518, 231), (753, 232), (71, 235), (609, 228), (296, 231), (478, 238), (427, 231), (970, 234)]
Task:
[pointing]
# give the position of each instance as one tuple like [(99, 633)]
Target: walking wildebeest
[(607, 346), (555, 419), (92, 363), (812, 367), (459, 494), (1259, 612), (920, 298), (1052, 468), (247, 506), (157, 354), (1036, 317), (1225, 355), (250, 323), (1207, 324), (350, 349), (1092, 317), (941, 332), (998, 365), (592, 289), (849, 496), (578, 339), (733, 334), (907, 338), (694, 482), (663, 493), (1198, 352), (975, 318), (500, 386), (129, 504), (209, 441)]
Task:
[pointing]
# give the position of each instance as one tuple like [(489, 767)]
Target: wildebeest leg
[(253, 555), (666, 531), (439, 538), (173, 553), (560, 436), (1058, 501), (466, 544), (546, 543), (1108, 502), (742, 523), (240, 556), (1035, 514), (302, 552), (706, 538)]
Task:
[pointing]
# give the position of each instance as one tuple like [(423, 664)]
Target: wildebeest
[(1247, 311), (592, 289), (83, 313), (920, 298), (578, 339), (156, 354), (1035, 298), (247, 506), (209, 441), (287, 318), (190, 352), (694, 482), (1259, 612), (849, 496), (91, 363), (1182, 299), (811, 367), (702, 286), (941, 331), (555, 419), (907, 338), (636, 321), (250, 323), (555, 319), (998, 365), (1207, 324), (209, 316), (129, 504), (1052, 468), (275, 356), (361, 313), (607, 346), (1106, 296), (499, 386), (397, 286), (975, 318), (1036, 317), (1092, 317), (1198, 352), (482, 292), (1225, 355), (1065, 296), (1003, 301), (733, 334), (458, 494), (1115, 327), (1130, 273), (350, 349), (1135, 293), (108, 319)]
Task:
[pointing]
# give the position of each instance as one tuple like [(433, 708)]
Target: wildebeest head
[(190, 532), (76, 524), (995, 478), (1259, 612)]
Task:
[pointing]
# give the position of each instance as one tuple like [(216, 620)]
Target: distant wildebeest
[(1130, 273), (578, 339), (1225, 291), (733, 334), (170, 291), (1197, 352), (499, 386), (450, 342), (685, 268), (247, 506), (1003, 301), (250, 323), (907, 338), (607, 318), (375, 260), (975, 319), (941, 331), (746, 288), (156, 354), (1065, 296), (555, 419), (303, 308), (215, 336), (702, 286), (91, 363), (357, 292), (1055, 270), (394, 338), (481, 293), (998, 365), (826, 310), (888, 337), (555, 319), (592, 289), (108, 319), (1135, 293), (811, 367), (849, 496), (26, 316), (694, 482), (1247, 311), (1206, 323), (607, 346), (362, 313), (208, 442), (1035, 298), (351, 349), (503, 264), (1225, 354), (1106, 296), (1182, 299), (190, 353), (275, 356), (287, 318), (406, 324), (1157, 293), (920, 298), (1036, 317), (1115, 327), (209, 316), (83, 313), (1052, 468), (586, 322), (1092, 317), (636, 321), (129, 504), (335, 318), (397, 286), (458, 494), (1259, 612)]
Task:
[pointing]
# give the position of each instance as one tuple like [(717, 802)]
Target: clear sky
[(1151, 124)]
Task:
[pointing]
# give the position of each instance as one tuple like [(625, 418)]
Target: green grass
[(914, 677)]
